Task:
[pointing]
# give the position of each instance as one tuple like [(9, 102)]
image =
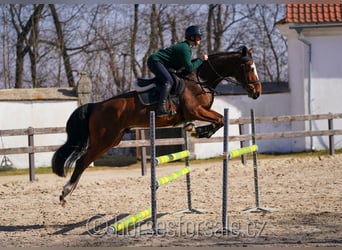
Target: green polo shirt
[(177, 56)]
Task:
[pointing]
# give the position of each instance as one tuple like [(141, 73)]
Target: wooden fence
[(31, 149)]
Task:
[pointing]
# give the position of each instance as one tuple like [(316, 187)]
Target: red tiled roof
[(313, 13)]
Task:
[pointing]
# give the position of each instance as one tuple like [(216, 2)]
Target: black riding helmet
[(192, 31)]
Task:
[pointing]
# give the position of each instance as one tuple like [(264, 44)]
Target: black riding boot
[(164, 93)]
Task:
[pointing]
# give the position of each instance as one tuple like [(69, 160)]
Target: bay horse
[(94, 128)]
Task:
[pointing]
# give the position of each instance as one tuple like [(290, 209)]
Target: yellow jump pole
[(130, 221), (171, 177), (241, 151), (172, 157)]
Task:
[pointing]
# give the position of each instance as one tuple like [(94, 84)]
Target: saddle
[(148, 89)]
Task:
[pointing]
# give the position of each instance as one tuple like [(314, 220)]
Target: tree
[(61, 46), (221, 21), (271, 46), (133, 41), (6, 47), (154, 34), (23, 29), (113, 42)]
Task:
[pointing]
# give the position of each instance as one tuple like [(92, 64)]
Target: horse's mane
[(223, 53), (236, 51)]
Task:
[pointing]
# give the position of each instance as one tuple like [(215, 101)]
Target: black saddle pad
[(152, 96), (149, 97)]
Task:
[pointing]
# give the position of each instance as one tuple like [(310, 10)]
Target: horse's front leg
[(206, 130), (215, 118)]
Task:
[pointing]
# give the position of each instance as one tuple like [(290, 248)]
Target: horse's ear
[(251, 51), (243, 50)]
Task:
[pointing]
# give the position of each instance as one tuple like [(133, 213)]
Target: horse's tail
[(77, 140)]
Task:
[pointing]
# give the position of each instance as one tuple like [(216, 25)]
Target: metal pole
[(255, 167), (225, 171), (242, 143), (153, 173), (255, 164), (143, 153), (188, 180), (187, 164)]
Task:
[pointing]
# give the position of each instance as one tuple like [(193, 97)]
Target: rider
[(175, 57)]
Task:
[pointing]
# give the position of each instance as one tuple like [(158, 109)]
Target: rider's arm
[(184, 56)]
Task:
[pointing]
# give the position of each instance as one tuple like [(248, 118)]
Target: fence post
[(331, 137), (30, 133)]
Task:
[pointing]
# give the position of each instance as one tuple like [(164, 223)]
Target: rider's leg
[(159, 70), (164, 93)]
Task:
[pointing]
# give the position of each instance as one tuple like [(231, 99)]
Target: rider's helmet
[(193, 31)]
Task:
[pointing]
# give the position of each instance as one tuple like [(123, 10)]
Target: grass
[(24, 171), (107, 161)]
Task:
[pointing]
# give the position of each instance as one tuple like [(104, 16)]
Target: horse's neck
[(216, 72)]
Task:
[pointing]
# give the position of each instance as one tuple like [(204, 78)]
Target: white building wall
[(326, 84), (240, 106), (314, 87), (36, 114), (298, 61)]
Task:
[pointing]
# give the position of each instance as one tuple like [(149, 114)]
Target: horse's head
[(239, 65), (247, 75)]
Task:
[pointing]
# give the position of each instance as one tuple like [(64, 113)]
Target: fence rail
[(177, 141), (243, 137)]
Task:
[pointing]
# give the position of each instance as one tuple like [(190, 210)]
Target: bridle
[(220, 78), (246, 59)]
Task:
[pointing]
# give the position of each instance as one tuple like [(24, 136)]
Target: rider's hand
[(205, 57)]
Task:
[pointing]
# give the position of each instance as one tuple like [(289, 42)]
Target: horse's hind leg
[(93, 152), (80, 166)]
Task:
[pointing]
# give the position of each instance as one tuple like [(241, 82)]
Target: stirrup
[(162, 113), (168, 112)]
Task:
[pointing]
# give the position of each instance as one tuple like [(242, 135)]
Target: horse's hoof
[(61, 200), (62, 203), (190, 127)]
